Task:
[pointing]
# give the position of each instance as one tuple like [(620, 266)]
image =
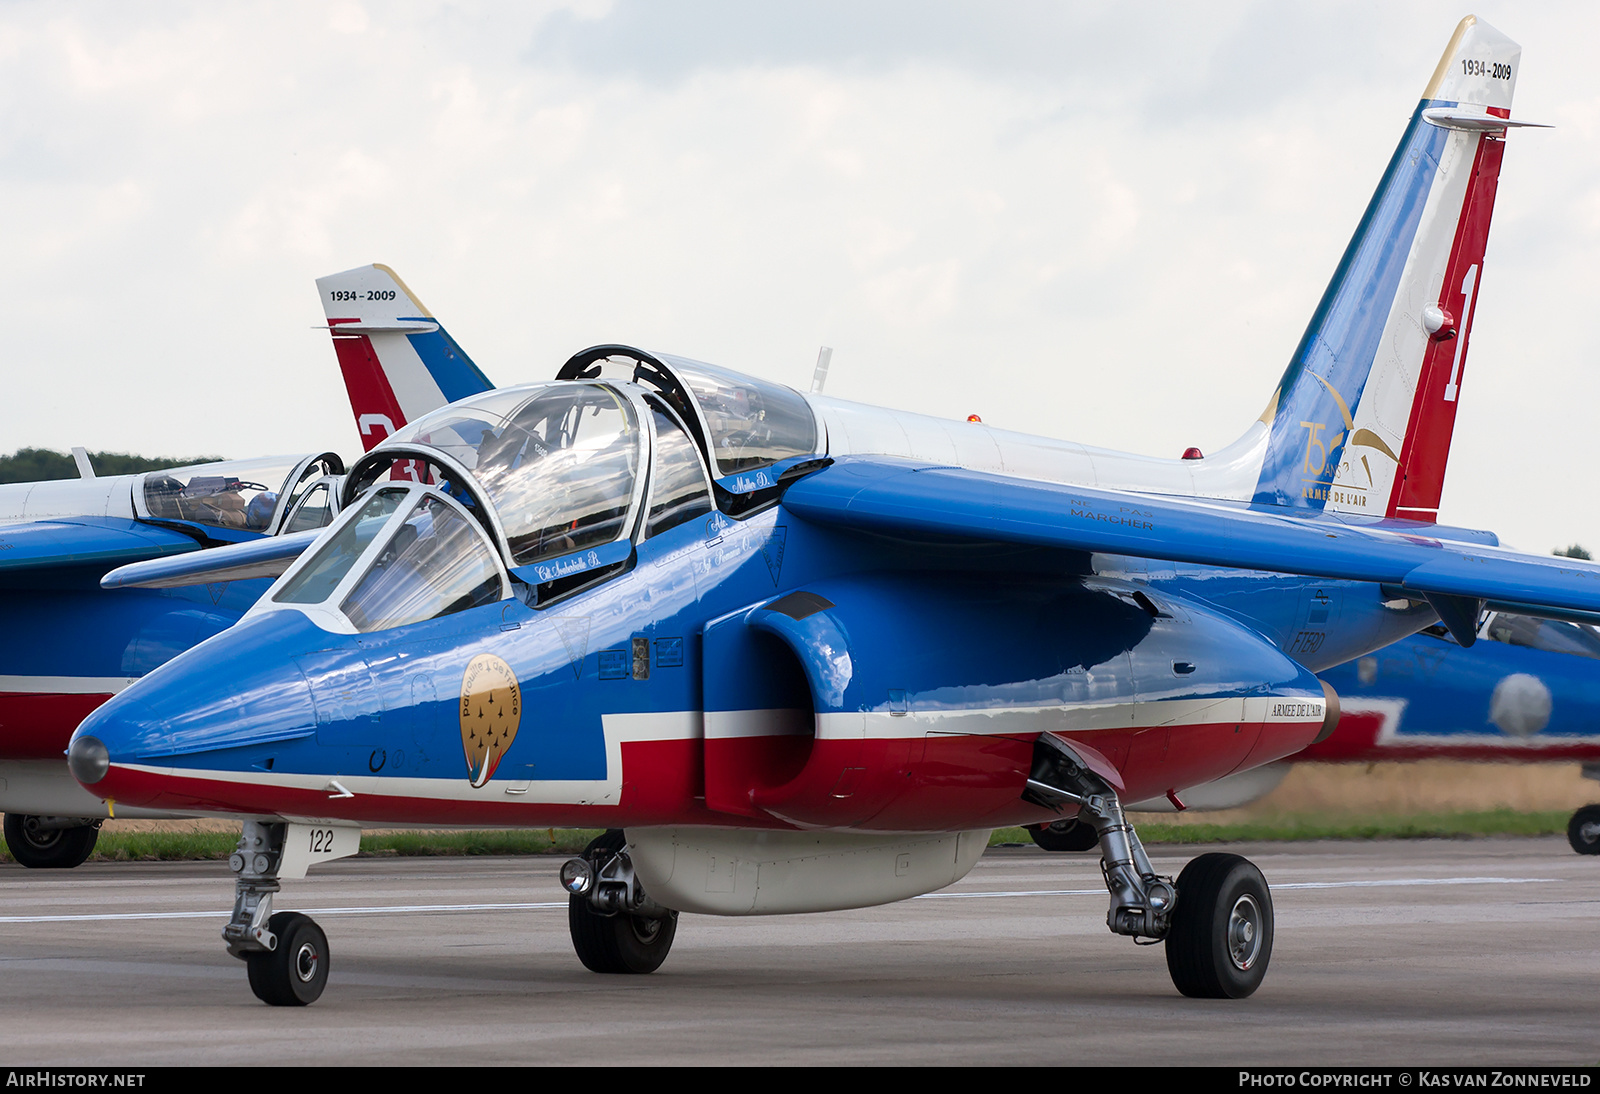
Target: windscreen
[(315, 582), (435, 564)]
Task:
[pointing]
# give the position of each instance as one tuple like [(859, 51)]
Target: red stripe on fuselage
[(936, 783), (1357, 740), (37, 725), (1423, 456)]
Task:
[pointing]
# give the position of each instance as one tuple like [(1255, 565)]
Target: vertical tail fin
[(398, 361), (1362, 419)]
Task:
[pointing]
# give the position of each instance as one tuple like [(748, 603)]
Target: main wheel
[(621, 942), (1221, 935), (295, 973), (1065, 835), (1583, 831), (48, 848)]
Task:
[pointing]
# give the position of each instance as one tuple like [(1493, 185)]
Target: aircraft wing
[(86, 541), (268, 557), (921, 500)]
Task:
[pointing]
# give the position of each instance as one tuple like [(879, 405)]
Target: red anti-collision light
[(1193, 454)]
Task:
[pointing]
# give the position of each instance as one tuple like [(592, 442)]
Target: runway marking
[(1021, 892), (381, 909), (376, 909), (1274, 887), (1419, 881)]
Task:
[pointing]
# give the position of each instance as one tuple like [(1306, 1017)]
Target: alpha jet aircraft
[(798, 654)]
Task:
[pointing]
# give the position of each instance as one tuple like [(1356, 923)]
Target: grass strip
[(1493, 822), (184, 846)]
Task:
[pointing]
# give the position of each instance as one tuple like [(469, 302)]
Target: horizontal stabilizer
[(86, 541), (920, 501), (1473, 121), (268, 557), (395, 326)]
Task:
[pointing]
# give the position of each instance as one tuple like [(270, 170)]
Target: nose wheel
[(1221, 935), (294, 974)]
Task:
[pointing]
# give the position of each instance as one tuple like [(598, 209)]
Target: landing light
[(577, 876)]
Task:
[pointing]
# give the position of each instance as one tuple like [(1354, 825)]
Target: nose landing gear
[(286, 953)]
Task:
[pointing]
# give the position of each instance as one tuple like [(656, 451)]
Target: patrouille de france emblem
[(491, 710)]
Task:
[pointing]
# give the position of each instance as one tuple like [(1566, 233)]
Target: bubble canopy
[(560, 463), (239, 495)]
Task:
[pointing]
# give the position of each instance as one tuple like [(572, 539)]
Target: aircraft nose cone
[(201, 711), (88, 759)]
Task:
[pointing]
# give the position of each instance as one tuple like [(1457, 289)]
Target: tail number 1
[(1469, 285)]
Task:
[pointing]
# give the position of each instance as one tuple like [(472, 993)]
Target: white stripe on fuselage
[(687, 725), (65, 685), (1080, 718)]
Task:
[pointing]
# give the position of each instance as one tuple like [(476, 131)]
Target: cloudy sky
[(1107, 222)]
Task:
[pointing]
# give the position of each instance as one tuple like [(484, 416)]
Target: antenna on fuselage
[(820, 377), (80, 456)]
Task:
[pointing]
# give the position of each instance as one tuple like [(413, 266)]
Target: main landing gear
[(615, 927), (1070, 834), (1583, 831), (1216, 919), (50, 843), (287, 953)]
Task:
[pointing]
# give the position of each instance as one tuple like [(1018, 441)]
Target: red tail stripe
[(1420, 477)]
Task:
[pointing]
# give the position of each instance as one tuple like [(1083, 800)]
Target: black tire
[(1587, 817), (1221, 935), (1065, 835), (294, 974), (617, 943), (53, 849)]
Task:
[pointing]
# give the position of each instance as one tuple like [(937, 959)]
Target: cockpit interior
[(551, 484)]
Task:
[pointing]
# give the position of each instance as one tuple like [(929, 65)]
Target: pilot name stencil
[(491, 711)]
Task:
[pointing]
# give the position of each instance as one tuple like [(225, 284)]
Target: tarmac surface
[(1431, 952)]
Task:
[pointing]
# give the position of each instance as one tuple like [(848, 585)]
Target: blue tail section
[(1363, 417), (1313, 415)]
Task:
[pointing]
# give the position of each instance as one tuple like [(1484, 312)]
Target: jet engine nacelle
[(882, 702)]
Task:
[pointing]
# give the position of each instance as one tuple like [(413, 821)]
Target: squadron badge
[(491, 710)]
